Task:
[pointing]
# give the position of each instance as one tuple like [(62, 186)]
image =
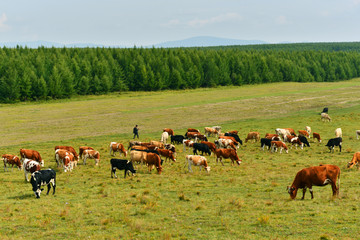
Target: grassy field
[(231, 202)]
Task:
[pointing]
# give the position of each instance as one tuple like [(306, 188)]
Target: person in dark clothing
[(136, 131)]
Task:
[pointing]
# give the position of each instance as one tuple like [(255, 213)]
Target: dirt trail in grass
[(117, 114)]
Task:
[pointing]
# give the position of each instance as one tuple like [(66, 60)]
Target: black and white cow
[(334, 142), (265, 142), (304, 140), (41, 178), (177, 139), (202, 148), (121, 164)]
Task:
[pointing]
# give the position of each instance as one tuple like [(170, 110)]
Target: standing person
[(136, 131)]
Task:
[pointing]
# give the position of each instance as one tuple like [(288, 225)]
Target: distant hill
[(204, 41), (36, 44)]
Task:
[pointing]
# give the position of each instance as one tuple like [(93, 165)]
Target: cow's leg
[(84, 163), (125, 171), (48, 187), (311, 192), (304, 191), (334, 188), (340, 147)]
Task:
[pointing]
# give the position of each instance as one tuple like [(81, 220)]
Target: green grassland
[(231, 202)]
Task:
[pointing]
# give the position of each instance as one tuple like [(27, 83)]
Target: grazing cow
[(193, 130), (282, 132), (217, 128), (227, 153), (225, 143), (30, 166), (177, 139), (235, 136), (12, 160), (121, 164), (355, 161), (141, 148), (325, 117), (273, 137), (334, 142), (253, 136), (338, 132), (81, 150), (203, 148), (187, 143), (210, 131), (291, 131), (308, 129), (315, 176), (117, 147), (137, 143), (234, 132), (232, 139), (303, 133), (153, 159), (156, 143), (31, 154), (41, 178), (164, 137), (167, 154), (357, 134), (265, 142), (211, 145), (170, 147), (304, 141), (137, 156), (70, 149), (197, 160), (317, 136), (297, 142), (92, 154), (325, 110), (195, 136), (169, 131), (278, 144), (66, 158)]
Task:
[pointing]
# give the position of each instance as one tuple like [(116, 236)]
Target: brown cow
[(117, 147), (225, 143), (81, 150), (227, 153), (211, 145), (303, 133), (355, 161), (210, 131), (93, 154), (157, 144), (30, 166), (317, 136), (187, 143), (167, 154), (278, 144), (169, 131), (152, 159), (231, 138), (253, 135), (31, 154), (233, 132), (70, 149), (197, 160), (315, 176), (273, 137), (193, 130), (192, 135), (66, 158), (11, 160)]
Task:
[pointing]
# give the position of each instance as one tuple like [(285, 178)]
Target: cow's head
[(292, 191), (130, 167), (238, 162), (207, 169)]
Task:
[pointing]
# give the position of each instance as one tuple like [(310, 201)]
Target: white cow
[(338, 132), (164, 137)]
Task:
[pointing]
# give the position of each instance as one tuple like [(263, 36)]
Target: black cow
[(121, 164), (304, 140), (41, 178), (202, 148), (265, 142), (334, 142), (235, 136), (177, 139), (325, 110)]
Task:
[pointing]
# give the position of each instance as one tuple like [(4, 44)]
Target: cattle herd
[(154, 153)]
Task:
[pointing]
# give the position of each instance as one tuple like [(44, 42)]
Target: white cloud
[(3, 20), (217, 19)]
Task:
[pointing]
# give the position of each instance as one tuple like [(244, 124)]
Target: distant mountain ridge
[(201, 41)]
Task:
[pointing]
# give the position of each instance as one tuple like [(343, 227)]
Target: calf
[(253, 136), (338, 132), (297, 142), (355, 161), (177, 139), (325, 117), (81, 150), (334, 142), (278, 144), (203, 148), (41, 178), (70, 149), (315, 176), (12, 160), (31, 154), (121, 164), (227, 153), (92, 154), (30, 166), (117, 147), (197, 161), (304, 141), (317, 136), (265, 142), (167, 154), (65, 157)]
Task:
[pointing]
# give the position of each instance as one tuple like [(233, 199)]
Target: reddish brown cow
[(66, 158), (227, 153), (315, 176), (93, 154), (70, 149), (291, 131), (273, 137), (253, 136), (193, 130), (211, 145), (11, 160), (192, 135), (231, 138), (81, 150), (187, 143), (152, 159), (31, 154), (234, 132), (278, 144), (355, 161), (303, 133), (117, 147), (169, 131), (30, 166), (317, 136), (167, 154)]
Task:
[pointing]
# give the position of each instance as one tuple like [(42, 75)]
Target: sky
[(149, 22)]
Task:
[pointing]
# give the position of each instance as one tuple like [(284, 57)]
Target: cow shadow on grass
[(23, 196)]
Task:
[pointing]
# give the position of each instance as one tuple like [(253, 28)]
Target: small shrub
[(263, 220)]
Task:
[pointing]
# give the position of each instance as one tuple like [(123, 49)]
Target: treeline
[(53, 73)]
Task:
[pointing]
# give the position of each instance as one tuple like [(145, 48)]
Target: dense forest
[(52, 73)]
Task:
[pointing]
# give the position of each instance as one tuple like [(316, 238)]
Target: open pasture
[(249, 201)]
